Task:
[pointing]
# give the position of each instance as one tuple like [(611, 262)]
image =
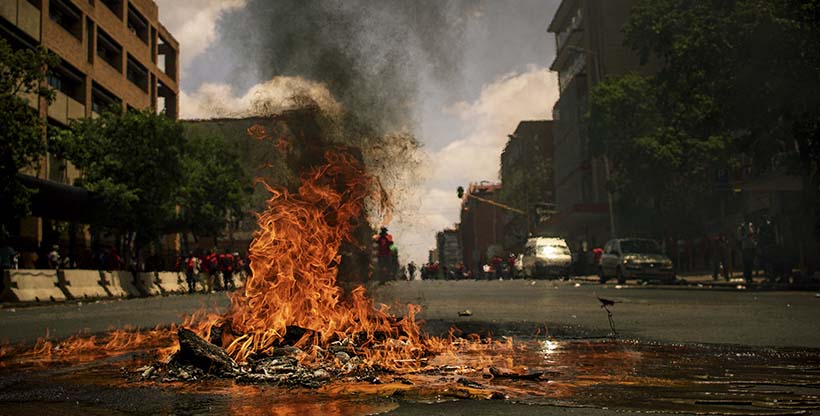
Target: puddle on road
[(614, 374)]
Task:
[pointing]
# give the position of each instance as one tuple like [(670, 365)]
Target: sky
[(458, 74)]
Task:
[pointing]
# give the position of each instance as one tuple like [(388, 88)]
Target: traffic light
[(460, 192)]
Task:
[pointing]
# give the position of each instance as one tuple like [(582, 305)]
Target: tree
[(132, 162), (661, 165), (22, 138), (746, 70), (215, 186), (736, 84)]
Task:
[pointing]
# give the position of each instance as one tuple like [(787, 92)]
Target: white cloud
[(221, 100), (193, 23), (502, 104)]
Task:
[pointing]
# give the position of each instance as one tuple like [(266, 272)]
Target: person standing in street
[(226, 263), (767, 243), (191, 270), (384, 255), (411, 271), (211, 271), (54, 257), (748, 246)]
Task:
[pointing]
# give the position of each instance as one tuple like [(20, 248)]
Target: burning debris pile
[(198, 359), (301, 319), (293, 324)]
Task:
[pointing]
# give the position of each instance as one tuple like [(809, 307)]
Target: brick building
[(482, 225), (113, 53)]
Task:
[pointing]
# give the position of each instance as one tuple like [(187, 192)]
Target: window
[(89, 39), (153, 45), (137, 74), (67, 16), (109, 50), (115, 6), (55, 81), (102, 100), (641, 247), (137, 24), (68, 81)]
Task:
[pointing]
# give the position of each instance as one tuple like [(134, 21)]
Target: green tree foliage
[(22, 140), (737, 83), (215, 187), (132, 161), (659, 169)]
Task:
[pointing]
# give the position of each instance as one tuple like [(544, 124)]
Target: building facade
[(113, 54), (448, 246), (526, 173), (589, 47), (482, 225)]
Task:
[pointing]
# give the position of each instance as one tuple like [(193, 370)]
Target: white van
[(546, 257)]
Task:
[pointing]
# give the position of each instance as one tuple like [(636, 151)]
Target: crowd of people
[(54, 257), (209, 270), (206, 269)]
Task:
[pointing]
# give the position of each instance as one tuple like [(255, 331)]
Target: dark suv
[(635, 258)]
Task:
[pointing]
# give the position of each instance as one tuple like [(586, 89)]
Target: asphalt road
[(661, 313), (567, 309)]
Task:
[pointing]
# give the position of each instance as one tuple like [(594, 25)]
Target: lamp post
[(606, 156)]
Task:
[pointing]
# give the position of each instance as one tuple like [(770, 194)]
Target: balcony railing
[(22, 14)]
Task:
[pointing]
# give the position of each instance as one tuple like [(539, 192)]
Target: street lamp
[(606, 156)]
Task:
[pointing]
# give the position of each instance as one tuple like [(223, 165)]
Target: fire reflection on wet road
[(613, 374)]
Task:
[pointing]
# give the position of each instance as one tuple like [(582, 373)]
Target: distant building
[(482, 225), (526, 173), (432, 256), (114, 53), (448, 247), (589, 47)]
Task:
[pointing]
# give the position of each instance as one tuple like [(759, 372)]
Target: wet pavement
[(605, 374), (761, 357)]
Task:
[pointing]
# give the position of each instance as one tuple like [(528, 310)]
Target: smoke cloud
[(371, 56)]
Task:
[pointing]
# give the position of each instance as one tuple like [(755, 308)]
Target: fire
[(295, 261), (295, 258)]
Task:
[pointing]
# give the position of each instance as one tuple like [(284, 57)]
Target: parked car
[(635, 258), (546, 257)]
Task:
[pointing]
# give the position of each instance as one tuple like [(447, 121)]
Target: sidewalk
[(735, 282)]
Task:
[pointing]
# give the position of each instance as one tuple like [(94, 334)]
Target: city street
[(708, 330), (649, 169), (675, 314)]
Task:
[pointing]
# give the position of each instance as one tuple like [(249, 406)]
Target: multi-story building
[(113, 53), (448, 246), (526, 173), (482, 225), (589, 47)]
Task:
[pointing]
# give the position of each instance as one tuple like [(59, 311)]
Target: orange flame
[(294, 262), (295, 257)]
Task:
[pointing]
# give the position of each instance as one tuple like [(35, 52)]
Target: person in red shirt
[(497, 266), (511, 266), (226, 267), (211, 267), (384, 255)]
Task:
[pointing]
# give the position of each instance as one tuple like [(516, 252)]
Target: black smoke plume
[(371, 54)]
